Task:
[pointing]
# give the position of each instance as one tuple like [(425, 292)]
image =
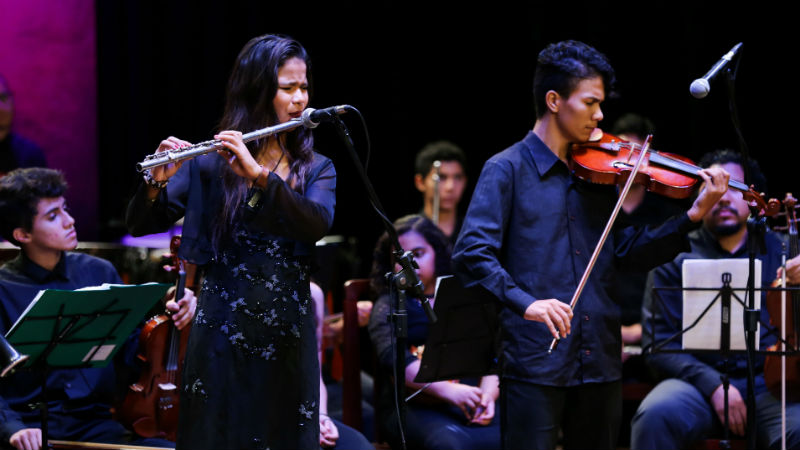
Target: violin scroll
[(767, 208)]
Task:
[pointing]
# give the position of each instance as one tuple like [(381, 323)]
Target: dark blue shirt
[(529, 233), (665, 317), (78, 393)]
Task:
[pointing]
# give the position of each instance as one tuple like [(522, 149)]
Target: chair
[(354, 290)]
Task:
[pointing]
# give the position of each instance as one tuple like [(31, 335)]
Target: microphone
[(313, 117), (701, 87)]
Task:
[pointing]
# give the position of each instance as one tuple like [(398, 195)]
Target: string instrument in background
[(778, 302), (151, 406)]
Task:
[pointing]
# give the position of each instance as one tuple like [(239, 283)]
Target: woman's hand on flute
[(164, 172), (238, 156)]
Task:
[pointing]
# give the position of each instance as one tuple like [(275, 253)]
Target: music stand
[(724, 293), (79, 329), (463, 342)]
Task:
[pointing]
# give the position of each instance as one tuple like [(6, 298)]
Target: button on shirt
[(85, 393), (529, 233)]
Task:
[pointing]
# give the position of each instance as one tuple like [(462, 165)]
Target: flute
[(201, 148), (310, 119), (436, 177)]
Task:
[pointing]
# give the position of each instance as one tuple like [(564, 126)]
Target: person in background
[(639, 208), (452, 182), (688, 405), (332, 433), (455, 414), (35, 217), (15, 150)]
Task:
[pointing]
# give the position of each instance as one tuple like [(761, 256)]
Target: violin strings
[(688, 168)]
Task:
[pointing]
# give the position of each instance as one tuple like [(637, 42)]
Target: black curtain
[(419, 73)]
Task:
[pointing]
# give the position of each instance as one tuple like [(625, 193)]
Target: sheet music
[(439, 282), (101, 287), (707, 273)]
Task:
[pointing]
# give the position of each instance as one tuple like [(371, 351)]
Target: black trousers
[(588, 415)]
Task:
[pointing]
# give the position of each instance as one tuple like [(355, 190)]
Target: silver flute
[(436, 179), (201, 148), (310, 119)]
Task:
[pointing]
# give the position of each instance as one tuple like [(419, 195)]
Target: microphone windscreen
[(699, 88)]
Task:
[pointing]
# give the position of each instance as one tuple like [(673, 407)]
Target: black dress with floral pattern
[(251, 375), (254, 316)]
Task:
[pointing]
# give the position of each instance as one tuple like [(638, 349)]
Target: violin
[(773, 372), (151, 406), (608, 159)]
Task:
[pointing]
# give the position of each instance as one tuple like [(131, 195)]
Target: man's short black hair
[(561, 66), (438, 151), (20, 192)]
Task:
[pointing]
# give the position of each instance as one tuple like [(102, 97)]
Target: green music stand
[(79, 329)]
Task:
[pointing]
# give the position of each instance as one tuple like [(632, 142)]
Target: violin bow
[(606, 232)]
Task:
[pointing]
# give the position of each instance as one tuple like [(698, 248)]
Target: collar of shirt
[(39, 274), (543, 158)]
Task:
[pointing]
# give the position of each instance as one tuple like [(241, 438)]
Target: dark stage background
[(419, 72)]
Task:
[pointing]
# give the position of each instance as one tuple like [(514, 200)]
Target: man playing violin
[(528, 235), (689, 404), (34, 216)]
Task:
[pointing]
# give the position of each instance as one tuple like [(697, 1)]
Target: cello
[(150, 407), (773, 371)]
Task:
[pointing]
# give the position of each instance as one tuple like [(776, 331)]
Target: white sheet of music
[(707, 273)]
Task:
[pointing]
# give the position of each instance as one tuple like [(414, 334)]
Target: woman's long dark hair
[(383, 258), (249, 106)]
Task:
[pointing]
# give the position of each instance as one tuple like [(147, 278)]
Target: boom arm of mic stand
[(406, 279), (412, 284)]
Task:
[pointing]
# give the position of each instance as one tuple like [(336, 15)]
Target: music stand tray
[(81, 328)]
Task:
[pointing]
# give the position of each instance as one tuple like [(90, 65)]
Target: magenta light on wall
[(48, 55)]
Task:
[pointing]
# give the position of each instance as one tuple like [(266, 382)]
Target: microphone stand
[(756, 229), (401, 283)]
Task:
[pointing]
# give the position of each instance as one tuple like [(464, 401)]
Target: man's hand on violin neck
[(715, 184)]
